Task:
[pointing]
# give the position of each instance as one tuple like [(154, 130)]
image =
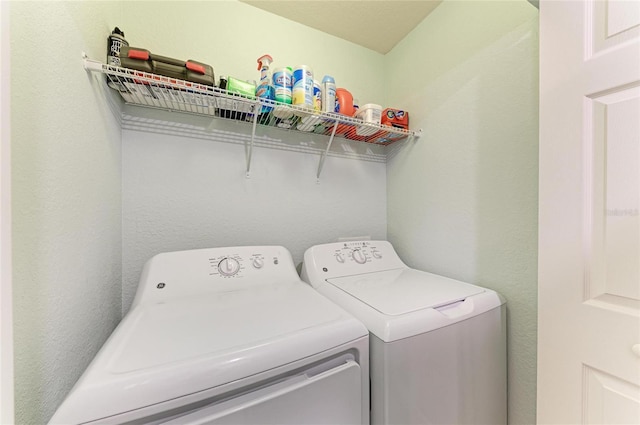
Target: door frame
[(6, 313)]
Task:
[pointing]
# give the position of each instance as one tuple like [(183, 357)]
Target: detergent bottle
[(265, 89)]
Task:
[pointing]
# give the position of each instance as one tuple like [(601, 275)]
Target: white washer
[(437, 345), (226, 335)]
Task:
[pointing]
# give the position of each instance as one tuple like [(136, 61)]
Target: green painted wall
[(66, 200), (462, 200)]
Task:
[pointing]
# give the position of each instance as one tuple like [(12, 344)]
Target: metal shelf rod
[(256, 110), (324, 154)]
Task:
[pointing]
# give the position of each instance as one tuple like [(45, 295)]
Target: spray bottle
[(265, 89), (114, 42)]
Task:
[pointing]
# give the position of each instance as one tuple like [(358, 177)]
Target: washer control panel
[(182, 273), (358, 252), (348, 258)]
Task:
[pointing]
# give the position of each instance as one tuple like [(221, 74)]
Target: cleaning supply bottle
[(328, 94), (265, 89), (114, 42), (283, 84)]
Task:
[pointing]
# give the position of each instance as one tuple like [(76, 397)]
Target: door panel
[(610, 23), (609, 399), (612, 178)]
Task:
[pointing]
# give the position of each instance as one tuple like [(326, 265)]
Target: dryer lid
[(177, 331), (402, 291)]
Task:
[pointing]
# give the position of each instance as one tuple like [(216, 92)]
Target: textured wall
[(462, 200), (182, 193), (231, 35), (66, 200)]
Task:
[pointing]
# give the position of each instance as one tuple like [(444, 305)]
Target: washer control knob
[(340, 258), (377, 254), (228, 266), (258, 262), (358, 256)]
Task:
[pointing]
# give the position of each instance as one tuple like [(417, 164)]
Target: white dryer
[(226, 335), (437, 345)]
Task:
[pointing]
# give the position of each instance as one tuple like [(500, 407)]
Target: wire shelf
[(155, 91)]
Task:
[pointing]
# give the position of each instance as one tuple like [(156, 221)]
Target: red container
[(395, 118), (344, 102)]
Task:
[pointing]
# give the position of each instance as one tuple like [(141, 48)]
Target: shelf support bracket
[(249, 149), (91, 65), (324, 154), (416, 134)]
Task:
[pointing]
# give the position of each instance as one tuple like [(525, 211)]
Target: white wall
[(182, 193), (462, 200), (66, 200)]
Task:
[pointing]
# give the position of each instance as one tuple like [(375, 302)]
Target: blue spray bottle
[(265, 89)]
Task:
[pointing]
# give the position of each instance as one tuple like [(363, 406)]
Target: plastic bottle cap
[(264, 60), (328, 79)]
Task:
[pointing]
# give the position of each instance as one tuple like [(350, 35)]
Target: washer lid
[(401, 291), (164, 351)]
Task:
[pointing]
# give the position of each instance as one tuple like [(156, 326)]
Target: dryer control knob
[(228, 266), (377, 254), (258, 262), (340, 258), (358, 256)]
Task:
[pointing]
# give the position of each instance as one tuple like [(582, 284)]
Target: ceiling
[(376, 24)]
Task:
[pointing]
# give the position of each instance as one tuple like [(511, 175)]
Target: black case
[(144, 60)]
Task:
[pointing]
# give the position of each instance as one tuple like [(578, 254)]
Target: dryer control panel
[(172, 275), (349, 258)]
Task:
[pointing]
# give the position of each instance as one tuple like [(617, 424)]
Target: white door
[(589, 234)]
